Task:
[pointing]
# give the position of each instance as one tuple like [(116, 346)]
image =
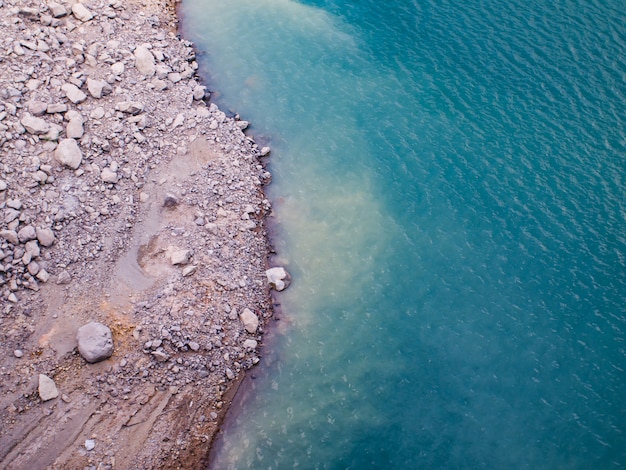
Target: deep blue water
[(449, 198)]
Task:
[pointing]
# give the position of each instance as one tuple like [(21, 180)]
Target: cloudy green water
[(449, 197)]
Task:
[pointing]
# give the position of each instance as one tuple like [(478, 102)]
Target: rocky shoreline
[(129, 201)]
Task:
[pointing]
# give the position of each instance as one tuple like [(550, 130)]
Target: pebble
[(35, 125), (45, 236), (69, 154), (90, 444), (47, 388), (180, 257), (250, 320), (81, 12), (144, 61), (108, 176), (18, 353), (73, 93)]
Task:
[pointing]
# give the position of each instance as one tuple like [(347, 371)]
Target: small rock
[(229, 374), (117, 68), (130, 107), (47, 388), (189, 270), (45, 236), (68, 153), (12, 298), (178, 121), (64, 278), (265, 151), (95, 342), (249, 320), (74, 129), (37, 108), (199, 92), (18, 353), (32, 247), (278, 278), (193, 346), (160, 356), (170, 200), (178, 257), (144, 61), (35, 125), (43, 275), (10, 236), (3, 185), (98, 88), (57, 10), (73, 93), (54, 108), (250, 344), (81, 12), (14, 204), (33, 268), (26, 234), (28, 12), (97, 113), (90, 444), (108, 176)]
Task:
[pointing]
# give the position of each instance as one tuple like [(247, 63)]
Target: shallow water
[(447, 185)]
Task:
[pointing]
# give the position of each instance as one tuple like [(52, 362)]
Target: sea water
[(449, 197)]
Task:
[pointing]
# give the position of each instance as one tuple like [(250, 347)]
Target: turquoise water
[(449, 198)]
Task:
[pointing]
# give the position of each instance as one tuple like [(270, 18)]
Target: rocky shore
[(128, 204)]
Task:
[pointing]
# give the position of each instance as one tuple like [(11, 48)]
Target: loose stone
[(278, 278), (45, 236), (95, 342), (34, 125), (98, 88), (108, 176), (144, 61), (47, 388), (249, 320), (27, 233), (178, 257), (73, 93), (68, 153), (81, 12)]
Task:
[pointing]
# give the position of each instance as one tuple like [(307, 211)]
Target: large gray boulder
[(95, 342)]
